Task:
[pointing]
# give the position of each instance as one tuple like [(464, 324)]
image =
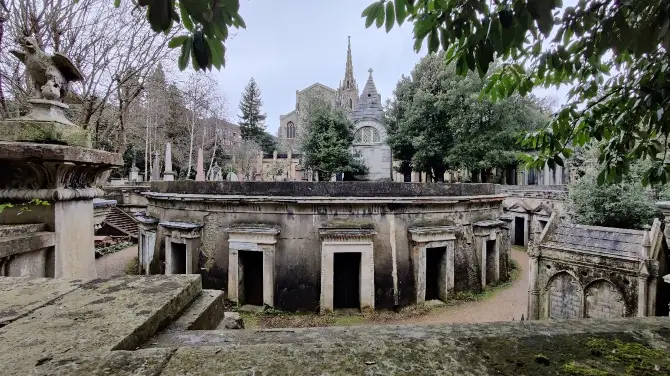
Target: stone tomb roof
[(595, 239)]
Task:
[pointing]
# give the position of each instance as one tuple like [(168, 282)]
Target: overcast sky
[(291, 44)]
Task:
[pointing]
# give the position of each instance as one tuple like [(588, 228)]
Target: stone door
[(565, 297), (604, 300)]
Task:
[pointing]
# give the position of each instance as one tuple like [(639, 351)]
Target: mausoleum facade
[(320, 246)]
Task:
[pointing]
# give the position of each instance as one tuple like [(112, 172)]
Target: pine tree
[(252, 119)]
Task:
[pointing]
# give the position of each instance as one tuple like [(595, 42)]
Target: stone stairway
[(122, 221)]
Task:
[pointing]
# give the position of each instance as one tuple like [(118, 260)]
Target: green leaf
[(185, 18), (185, 53), (117, 3), (177, 41), (379, 21), (433, 41), (400, 11), (390, 16)]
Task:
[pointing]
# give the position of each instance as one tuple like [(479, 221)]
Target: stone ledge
[(322, 189), (28, 130), (30, 151), (17, 244)]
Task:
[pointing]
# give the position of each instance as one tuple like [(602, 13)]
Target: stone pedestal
[(47, 123), (67, 177)]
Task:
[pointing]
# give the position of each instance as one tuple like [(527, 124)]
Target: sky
[(291, 44)]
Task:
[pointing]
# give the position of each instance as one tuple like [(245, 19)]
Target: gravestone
[(200, 167), (168, 175), (231, 176), (215, 173)]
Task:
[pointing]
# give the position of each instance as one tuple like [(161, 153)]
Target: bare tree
[(112, 47), (245, 157)]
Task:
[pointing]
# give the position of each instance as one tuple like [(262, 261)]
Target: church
[(364, 110)]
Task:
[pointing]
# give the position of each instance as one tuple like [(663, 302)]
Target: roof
[(122, 221), (595, 239), (318, 84), (369, 106)]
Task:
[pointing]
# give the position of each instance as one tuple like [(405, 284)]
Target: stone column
[(653, 285), (67, 178), (533, 289), (168, 174)]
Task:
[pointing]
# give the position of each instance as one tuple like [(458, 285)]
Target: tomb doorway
[(251, 270), (519, 231), (346, 280), (178, 258), (435, 272)]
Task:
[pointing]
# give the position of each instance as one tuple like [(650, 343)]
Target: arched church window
[(348, 85), (351, 104), (367, 135), (290, 130)]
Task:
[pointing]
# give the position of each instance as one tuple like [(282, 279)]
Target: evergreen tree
[(252, 119), (327, 143)]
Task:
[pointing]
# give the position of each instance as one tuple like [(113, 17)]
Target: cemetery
[(356, 208)]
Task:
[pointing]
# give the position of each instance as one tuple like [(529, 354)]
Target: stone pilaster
[(533, 289), (68, 178)]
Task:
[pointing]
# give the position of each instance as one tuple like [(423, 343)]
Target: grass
[(273, 318)]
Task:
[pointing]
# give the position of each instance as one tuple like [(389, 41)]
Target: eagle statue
[(51, 74)]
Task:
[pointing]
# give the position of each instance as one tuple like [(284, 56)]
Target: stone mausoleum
[(579, 271), (327, 245)]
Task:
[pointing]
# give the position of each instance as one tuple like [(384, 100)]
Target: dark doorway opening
[(178, 258), (407, 177), (347, 279), (435, 272), (519, 231), (251, 268), (490, 261)]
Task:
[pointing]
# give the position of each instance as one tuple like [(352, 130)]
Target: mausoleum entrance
[(251, 271), (519, 231), (491, 254), (436, 273), (178, 258), (347, 280)]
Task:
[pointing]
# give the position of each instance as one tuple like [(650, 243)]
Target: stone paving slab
[(401, 333), (116, 363), (535, 348), (21, 296), (100, 315)]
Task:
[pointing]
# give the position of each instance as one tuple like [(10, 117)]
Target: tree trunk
[(190, 148)]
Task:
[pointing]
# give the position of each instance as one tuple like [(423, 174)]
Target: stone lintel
[(146, 221), (253, 229), (17, 244), (346, 234), (49, 131), (433, 233), (182, 230), (102, 203)]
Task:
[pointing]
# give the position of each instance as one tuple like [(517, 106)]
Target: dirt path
[(115, 264), (505, 305)]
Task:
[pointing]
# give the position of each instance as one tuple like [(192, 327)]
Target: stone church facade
[(365, 110)]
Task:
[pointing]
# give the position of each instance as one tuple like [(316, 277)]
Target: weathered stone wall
[(534, 195), (586, 286), (128, 198), (299, 209)]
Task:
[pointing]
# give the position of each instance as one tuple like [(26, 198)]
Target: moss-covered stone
[(52, 132)]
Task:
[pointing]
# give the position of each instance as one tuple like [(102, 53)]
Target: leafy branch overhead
[(614, 53), (207, 22)]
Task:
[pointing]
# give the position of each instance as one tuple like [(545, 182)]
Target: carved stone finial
[(51, 74)]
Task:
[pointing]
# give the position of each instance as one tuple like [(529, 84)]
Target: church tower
[(347, 93)]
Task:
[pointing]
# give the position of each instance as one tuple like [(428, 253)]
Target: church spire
[(348, 91), (350, 66)]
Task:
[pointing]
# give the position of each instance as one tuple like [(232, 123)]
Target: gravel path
[(506, 305), (115, 264)]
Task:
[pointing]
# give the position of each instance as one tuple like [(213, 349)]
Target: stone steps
[(205, 313), (87, 317)]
